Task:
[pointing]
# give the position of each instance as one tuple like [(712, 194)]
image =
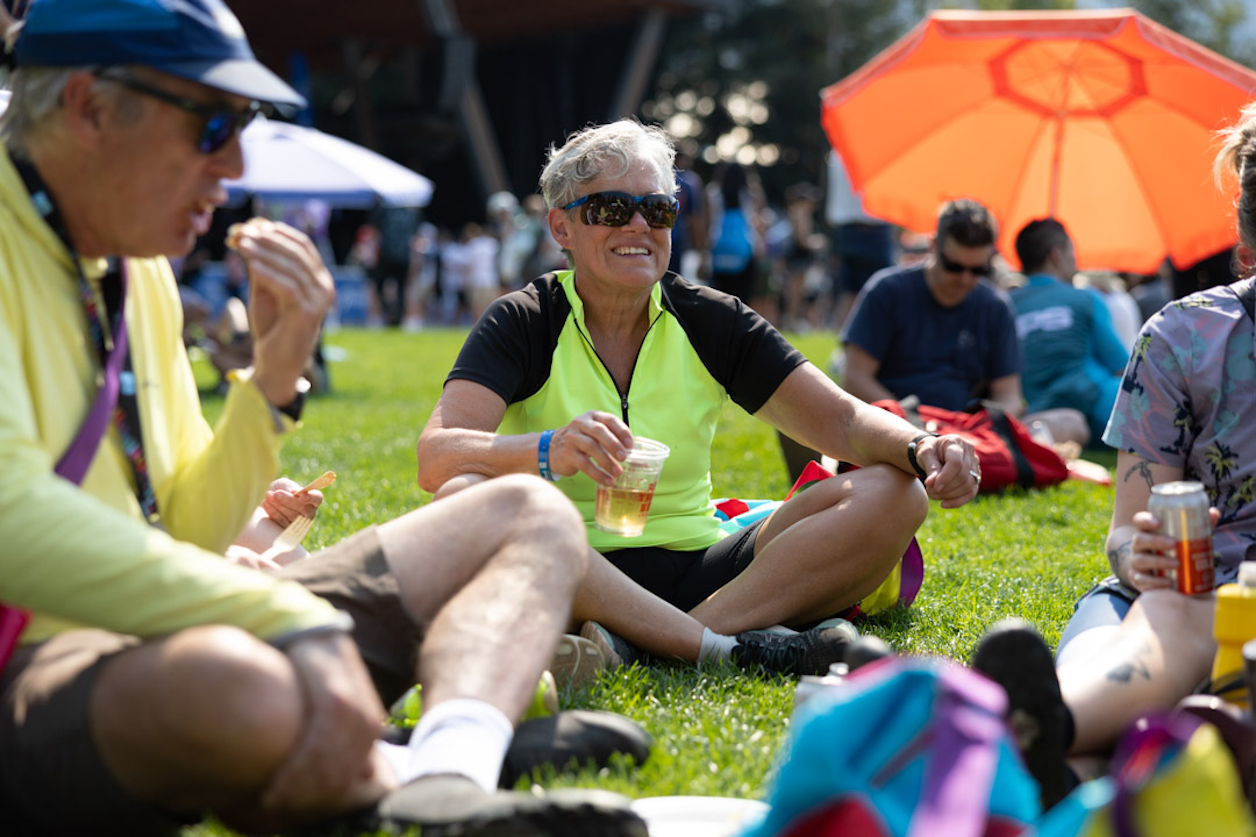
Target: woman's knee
[(1181, 622), (899, 495)]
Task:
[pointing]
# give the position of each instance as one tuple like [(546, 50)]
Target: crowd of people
[(156, 664)]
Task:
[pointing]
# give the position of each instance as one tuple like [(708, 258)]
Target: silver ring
[(975, 475)]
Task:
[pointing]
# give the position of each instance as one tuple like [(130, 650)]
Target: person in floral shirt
[(1134, 644)]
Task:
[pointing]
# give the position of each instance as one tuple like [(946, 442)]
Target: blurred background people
[(691, 256), (1071, 357), (737, 247)]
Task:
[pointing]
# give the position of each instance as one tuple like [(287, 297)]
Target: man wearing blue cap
[(145, 679)]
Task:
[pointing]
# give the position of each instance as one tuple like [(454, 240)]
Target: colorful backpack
[(904, 747), (1171, 775)]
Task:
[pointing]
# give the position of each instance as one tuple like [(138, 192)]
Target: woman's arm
[(461, 440), (813, 410), (1137, 553)]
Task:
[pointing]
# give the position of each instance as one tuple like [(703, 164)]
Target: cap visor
[(240, 77)]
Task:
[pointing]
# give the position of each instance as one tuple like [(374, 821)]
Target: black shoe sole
[(560, 813), (575, 736), (1016, 657)]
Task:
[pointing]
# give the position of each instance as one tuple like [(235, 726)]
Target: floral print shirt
[(1188, 400)]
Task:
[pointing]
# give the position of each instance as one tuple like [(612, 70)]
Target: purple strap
[(967, 722), (76, 460), (79, 455), (1139, 756)]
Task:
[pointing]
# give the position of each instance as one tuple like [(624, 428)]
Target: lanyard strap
[(116, 401)]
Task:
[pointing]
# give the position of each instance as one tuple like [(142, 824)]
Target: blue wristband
[(542, 457)]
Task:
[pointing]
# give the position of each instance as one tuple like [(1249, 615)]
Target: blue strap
[(542, 457)]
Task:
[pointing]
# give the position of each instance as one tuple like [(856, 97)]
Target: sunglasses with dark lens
[(614, 209), (956, 267), (221, 124)]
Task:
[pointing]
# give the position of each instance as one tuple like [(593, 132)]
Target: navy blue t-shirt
[(944, 356)]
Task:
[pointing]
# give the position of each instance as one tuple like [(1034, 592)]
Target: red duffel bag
[(1008, 454)]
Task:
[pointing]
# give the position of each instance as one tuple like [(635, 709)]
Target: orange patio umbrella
[(1103, 119)]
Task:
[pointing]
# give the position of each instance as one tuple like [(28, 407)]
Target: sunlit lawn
[(715, 731)]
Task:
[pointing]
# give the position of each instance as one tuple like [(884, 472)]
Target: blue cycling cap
[(200, 40)]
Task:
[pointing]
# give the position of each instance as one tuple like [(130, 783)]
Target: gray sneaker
[(809, 652), (617, 650), (577, 661), (450, 805)]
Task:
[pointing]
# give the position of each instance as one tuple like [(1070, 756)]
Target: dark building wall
[(536, 91)]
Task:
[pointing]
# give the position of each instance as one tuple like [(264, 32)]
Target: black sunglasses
[(221, 123), (956, 267), (614, 209)]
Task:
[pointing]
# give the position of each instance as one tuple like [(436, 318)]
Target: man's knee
[(534, 502), (214, 690)]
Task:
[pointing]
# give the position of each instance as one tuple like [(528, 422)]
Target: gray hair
[(36, 97), (606, 151)]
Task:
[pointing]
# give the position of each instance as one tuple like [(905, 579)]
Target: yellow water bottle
[(1235, 624)]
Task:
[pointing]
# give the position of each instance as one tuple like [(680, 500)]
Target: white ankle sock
[(464, 736), (715, 647)]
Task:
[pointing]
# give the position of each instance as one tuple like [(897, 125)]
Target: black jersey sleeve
[(510, 348), (741, 350)]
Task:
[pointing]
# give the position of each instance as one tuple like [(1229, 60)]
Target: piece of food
[(319, 483), (236, 231)]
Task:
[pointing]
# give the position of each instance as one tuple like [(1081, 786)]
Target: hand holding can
[(1182, 508)]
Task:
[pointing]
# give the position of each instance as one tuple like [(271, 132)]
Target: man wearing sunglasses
[(940, 331), (145, 679), (558, 379)]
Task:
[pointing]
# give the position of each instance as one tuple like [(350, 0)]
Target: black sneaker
[(1016, 657), (867, 649), (454, 806), (796, 654), (617, 650), (576, 737)]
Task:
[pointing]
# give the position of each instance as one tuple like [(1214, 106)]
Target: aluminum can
[(1182, 508)]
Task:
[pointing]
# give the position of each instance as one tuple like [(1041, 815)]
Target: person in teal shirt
[(1071, 355)]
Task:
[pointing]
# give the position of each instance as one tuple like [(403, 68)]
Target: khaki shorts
[(52, 779)]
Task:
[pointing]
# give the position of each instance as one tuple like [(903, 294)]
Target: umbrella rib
[(1142, 188)]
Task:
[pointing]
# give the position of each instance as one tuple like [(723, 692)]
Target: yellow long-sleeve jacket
[(84, 556)]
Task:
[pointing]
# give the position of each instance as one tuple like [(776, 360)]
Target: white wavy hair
[(605, 151)]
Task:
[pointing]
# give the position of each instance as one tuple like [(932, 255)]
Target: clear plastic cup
[(622, 508)]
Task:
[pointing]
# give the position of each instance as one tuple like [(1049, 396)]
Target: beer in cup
[(622, 508)]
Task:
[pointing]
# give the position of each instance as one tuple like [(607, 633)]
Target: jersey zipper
[(623, 396)]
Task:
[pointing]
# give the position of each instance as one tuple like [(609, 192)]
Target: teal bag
[(904, 747)]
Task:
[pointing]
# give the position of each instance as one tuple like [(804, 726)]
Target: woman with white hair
[(559, 377)]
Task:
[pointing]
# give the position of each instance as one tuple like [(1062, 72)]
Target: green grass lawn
[(716, 731)]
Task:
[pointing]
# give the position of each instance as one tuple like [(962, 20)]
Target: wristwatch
[(911, 453), (294, 407)]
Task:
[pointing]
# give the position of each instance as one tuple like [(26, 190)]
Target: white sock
[(464, 736), (715, 647)]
